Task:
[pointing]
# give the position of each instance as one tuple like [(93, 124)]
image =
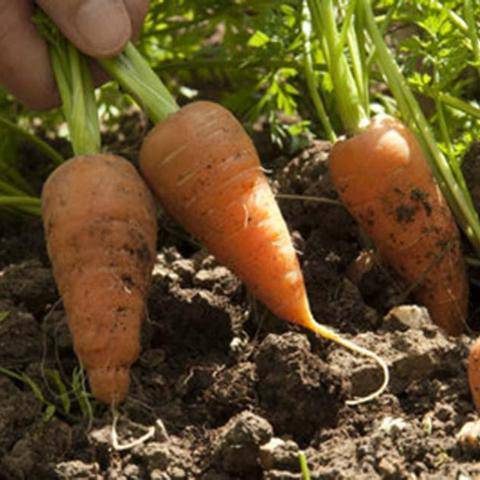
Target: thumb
[(99, 28)]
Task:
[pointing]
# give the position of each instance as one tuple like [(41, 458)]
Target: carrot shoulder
[(100, 226), (383, 178)]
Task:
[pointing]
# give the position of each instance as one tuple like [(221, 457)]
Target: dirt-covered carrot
[(100, 227), (205, 170), (383, 175), (384, 179)]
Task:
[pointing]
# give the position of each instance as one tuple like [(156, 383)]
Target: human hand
[(99, 28)]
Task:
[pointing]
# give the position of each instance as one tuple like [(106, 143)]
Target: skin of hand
[(99, 28)]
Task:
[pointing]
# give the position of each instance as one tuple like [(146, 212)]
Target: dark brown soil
[(234, 393)]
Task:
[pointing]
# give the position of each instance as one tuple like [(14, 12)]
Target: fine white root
[(127, 446), (329, 334)]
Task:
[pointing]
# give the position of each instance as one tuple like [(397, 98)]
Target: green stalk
[(42, 146), (77, 92), (443, 127), (459, 199), (25, 204), (136, 76), (9, 189), (472, 32), (9, 173), (359, 31), (312, 83), (348, 35), (75, 85), (12, 197), (458, 104), (304, 466), (349, 103), (347, 22)]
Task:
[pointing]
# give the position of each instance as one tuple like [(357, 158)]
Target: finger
[(99, 28), (24, 64), (137, 9)]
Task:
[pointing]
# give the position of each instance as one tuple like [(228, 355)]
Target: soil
[(232, 392)]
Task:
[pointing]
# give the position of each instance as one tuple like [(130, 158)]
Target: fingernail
[(104, 25)]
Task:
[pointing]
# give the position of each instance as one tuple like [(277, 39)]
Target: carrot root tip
[(329, 334), (129, 445)]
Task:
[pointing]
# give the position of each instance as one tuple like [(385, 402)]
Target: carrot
[(100, 227), (205, 170), (474, 372), (383, 178), (383, 174)]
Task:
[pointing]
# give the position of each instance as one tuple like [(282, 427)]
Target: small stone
[(386, 468), (177, 473), (416, 355), (393, 426), (237, 443), (404, 317), (281, 475), (469, 436), (279, 454)]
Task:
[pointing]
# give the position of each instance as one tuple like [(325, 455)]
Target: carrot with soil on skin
[(384, 180), (383, 177), (100, 227), (204, 169)]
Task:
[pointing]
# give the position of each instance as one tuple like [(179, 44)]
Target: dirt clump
[(233, 392)]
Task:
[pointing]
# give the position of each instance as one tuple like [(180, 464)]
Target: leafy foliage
[(250, 55)]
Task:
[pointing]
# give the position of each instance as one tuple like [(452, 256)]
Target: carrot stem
[(349, 104), (312, 83), (136, 76), (76, 88), (79, 105)]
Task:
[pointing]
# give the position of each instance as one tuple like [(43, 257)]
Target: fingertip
[(103, 27)]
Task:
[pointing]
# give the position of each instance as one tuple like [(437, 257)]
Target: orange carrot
[(100, 226), (205, 170), (384, 180)]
